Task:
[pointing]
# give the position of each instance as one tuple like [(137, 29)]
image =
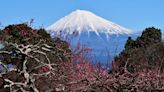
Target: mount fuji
[(105, 38)]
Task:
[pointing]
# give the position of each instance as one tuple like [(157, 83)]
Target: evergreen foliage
[(146, 50), (149, 37)]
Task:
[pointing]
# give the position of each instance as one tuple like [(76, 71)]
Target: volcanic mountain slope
[(105, 38)]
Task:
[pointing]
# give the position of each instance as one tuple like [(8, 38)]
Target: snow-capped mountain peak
[(84, 21)]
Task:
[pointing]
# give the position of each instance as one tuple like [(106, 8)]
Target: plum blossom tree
[(30, 59)]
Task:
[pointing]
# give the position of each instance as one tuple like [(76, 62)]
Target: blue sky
[(132, 14)]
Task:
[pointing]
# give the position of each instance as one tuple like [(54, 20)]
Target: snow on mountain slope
[(84, 21)]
